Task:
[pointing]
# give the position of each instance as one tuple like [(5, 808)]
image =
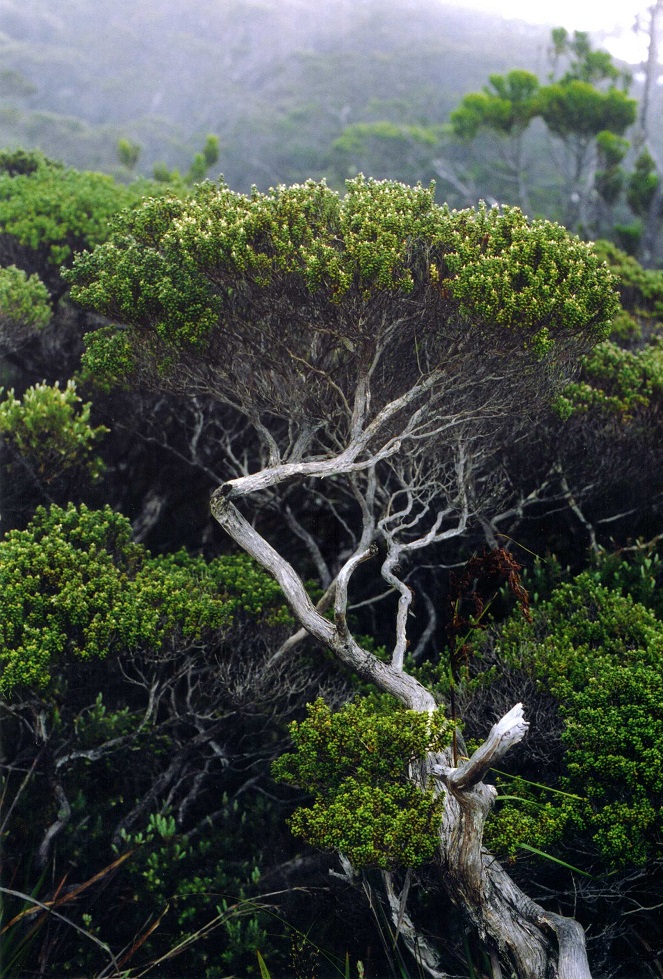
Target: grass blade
[(547, 856), (264, 971), (539, 785)]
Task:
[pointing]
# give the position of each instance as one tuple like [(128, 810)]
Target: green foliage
[(50, 428), (385, 149), (507, 107), (358, 765), (202, 161), (163, 175), (623, 376), (211, 150), (177, 269), (576, 108), (108, 358), (15, 162), (584, 626), (135, 276), (585, 64), (197, 884), (638, 575), (535, 276), (98, 723), (60, 209), (641, 289), (628, 236), (77, 589), (625, 329), (617, 381), (128, 153), (610, 177), (198, 169), (612, 148), (598, 653), (353, 137), (24, 305), (643, 184)]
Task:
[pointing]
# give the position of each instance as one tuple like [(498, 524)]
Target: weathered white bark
[(536, 943), (402, 686)]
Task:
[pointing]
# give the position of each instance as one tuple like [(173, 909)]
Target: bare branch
[(405, 688), (296, 527), (423, 953), (508, 731), (428, 632), (342, 582), (63, 817)]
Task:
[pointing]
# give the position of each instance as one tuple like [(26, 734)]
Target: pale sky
[(614, 16)]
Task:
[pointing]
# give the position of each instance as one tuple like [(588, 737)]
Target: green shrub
[(357, 763), (50, 428), (59, 209), (75, 587), (23, 301), (598, 652)]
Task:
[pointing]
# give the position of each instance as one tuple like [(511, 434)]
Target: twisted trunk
[(536, 943)]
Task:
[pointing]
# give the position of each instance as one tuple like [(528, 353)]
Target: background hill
[(276, 81)]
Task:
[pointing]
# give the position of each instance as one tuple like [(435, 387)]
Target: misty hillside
[(276, 81)]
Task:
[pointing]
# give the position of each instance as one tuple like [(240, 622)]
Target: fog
[(278, 82)]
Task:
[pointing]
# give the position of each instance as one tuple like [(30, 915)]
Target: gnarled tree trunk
[(536, 943)]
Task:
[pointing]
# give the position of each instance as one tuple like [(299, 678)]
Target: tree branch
[(508, 731), (342, 582), (405, 688)]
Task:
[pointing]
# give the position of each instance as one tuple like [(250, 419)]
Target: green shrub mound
[(598, 652), (75, 587), (358, 764)]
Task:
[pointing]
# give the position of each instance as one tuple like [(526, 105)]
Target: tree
[(128, 153), (588, 478), (584, 108), (202, 161), (507, 107), (575, 107), (380, 347), (646, 190), (584, 64), (610, 178), (576, 112)]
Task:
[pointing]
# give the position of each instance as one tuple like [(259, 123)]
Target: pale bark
[(63, 817), (402, 686), (419, 947), (536, 943), (523, 932)]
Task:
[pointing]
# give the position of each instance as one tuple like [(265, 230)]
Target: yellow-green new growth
[(359, 765), (187, 274), (50, 428), (75, 588)]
